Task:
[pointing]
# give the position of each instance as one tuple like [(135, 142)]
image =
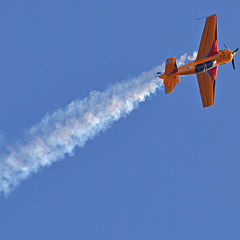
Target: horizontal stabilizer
[(170, 83), (171, 77), (169, 87), (171, 66)]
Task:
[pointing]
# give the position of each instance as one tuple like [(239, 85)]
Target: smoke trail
[(59, 133)]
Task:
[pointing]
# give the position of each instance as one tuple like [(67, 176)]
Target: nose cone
[(234, 52)]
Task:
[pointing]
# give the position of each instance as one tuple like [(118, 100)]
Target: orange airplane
[(205, 66)]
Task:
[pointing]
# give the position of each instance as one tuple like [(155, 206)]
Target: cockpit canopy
[(204, 67)]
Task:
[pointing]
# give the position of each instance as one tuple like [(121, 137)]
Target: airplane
[(205, 66)]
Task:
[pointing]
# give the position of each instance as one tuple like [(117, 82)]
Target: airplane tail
[(171, 66), (171, 78)]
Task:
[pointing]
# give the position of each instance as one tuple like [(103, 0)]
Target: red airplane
[(205, 66)]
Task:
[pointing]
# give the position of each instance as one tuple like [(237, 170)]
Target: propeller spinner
[(233, 62)]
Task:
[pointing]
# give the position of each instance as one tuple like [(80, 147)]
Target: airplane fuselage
[(205, 64)]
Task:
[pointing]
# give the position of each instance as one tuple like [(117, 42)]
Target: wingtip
[(205, 17)]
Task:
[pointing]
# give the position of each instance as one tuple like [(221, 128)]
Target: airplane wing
[(209, 43), (206, 82)]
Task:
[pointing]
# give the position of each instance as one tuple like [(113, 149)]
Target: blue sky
[(167, 171)]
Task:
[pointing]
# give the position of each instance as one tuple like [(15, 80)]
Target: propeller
[(233, 62), (235, 50)]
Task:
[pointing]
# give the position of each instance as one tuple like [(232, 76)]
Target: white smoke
[(59, 133), (193, 57)]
